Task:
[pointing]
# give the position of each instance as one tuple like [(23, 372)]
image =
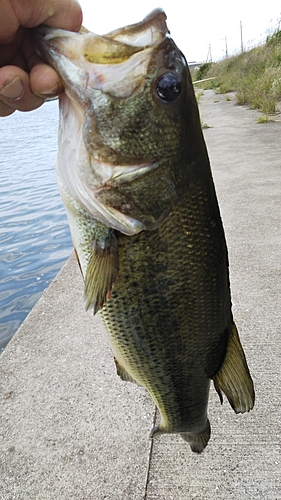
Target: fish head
[(126, 116)]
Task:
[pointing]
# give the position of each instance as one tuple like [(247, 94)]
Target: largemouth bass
[(135, 178)]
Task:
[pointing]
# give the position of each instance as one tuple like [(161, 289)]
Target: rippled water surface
[(34, 234)]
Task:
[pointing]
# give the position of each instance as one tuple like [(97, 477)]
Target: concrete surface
[(70, 429)]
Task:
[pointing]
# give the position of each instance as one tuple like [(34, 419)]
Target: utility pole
[(241, 33), (209, 55)]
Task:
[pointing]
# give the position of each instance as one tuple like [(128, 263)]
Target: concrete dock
[(70, 429)]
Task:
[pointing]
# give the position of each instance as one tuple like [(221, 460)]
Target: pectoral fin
[(233, 378), (101, 271)]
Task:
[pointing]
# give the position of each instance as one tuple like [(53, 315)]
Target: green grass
[(254, 76), (198, 96), (265, 119)]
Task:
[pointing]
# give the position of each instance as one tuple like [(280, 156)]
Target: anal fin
[(233, 378), (123, 374), (101, 271)]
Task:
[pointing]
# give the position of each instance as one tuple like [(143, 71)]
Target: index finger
[(64, 14)]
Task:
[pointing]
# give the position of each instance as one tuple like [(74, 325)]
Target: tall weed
[(255, 76)]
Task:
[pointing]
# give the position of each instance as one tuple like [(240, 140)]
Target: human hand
[(25, 80)]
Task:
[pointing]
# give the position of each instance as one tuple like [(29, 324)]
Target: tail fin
[(198, 441), (234, 378)]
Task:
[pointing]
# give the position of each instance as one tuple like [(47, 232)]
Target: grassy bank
[(255, 76)]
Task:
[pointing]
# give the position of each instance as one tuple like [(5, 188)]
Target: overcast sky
[(194, 25)]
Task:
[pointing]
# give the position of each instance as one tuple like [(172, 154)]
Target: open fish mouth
[(115, 63), (100, 72)]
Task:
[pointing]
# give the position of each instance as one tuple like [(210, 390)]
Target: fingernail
[(13, 90), (56, 89)]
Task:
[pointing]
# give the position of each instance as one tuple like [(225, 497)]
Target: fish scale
[(150, 303), (134, 174)]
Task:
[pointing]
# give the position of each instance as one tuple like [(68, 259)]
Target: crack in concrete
[(149, 459)]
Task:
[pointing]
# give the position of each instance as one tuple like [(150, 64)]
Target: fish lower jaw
[(197, 440), (106, 172)]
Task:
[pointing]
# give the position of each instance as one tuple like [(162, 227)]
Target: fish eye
[(168, 87)]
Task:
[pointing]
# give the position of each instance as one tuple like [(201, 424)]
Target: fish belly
[(169, 312)]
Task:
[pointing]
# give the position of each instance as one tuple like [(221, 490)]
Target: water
[(34, 234)]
